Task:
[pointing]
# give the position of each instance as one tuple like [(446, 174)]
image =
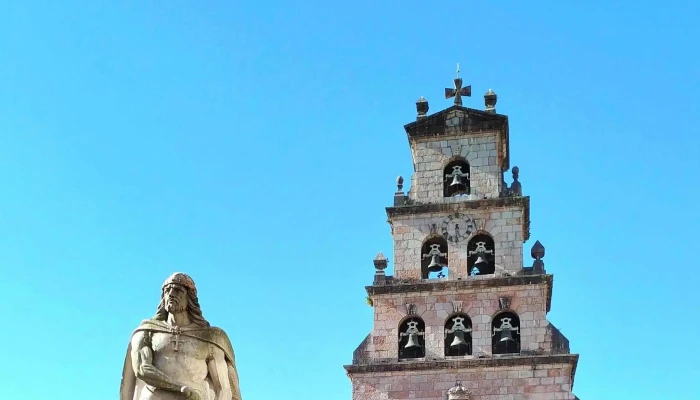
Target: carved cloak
[(131, 386)]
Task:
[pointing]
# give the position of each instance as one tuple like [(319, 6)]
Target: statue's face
[(175, 297)]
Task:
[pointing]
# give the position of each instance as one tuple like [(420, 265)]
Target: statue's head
[(180, 294)]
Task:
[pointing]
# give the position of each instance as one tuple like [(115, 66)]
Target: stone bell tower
[(462, 317)]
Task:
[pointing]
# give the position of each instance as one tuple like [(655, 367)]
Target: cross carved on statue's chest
[(176, 331)]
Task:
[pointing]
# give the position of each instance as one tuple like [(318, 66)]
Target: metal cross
[(176, 338), (458, 90)]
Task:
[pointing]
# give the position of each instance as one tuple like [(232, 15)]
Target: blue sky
[(255, 145)]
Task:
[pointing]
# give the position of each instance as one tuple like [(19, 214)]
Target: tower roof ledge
[(395, 286), (495, 361), (462, 206), (480, 120), (463, 121)]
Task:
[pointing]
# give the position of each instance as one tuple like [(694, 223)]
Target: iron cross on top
[(458, 90)]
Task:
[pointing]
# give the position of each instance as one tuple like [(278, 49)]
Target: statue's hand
[(148, 369), (190, 394)]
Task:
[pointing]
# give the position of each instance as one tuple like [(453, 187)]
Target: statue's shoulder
[(220, 337), (215, 330), (151, 325), (218, 334)]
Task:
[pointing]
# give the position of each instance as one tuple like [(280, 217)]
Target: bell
[(458, 341), (506, 344), (480, 263), (479, 266), (412, 341), (506, 336), (456, 180), (435, 265)]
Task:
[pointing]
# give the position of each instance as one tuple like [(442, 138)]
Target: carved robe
[(131, 386)]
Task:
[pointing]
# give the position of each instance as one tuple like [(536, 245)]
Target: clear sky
[(255, 145)]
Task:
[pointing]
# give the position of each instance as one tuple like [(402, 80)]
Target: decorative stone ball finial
[(422, 107), (490, 99), (458, 392), (380, 262), (399, 183)]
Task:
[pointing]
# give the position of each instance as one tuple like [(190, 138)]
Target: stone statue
[(177, 355)]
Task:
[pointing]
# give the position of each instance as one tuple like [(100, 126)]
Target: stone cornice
[(490, 362), (393, 286), (464, 206), (472, 121)]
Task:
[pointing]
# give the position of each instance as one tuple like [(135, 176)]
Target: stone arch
[(456, 177), (434, 256), (411, 338), (481, 254), (505, 333), (458, 335)]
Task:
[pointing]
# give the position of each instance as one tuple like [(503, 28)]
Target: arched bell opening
[(433, 257), (412, 338), (456, 178), (505, 329), (458, 335), (481, 255)]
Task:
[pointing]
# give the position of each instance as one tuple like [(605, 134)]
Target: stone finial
[(422, 107), (516, 188), (537, 252), (458, 392), (399, 183), (380, 262), (490, 99), (400, 197)]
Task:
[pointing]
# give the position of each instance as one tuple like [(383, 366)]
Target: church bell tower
[(462, 317)]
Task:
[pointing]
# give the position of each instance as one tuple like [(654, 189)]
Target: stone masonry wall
[(431, 156), (540, 382), (480, 304), (504, 225)]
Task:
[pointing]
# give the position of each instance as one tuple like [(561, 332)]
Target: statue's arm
[(218, 371), (142, 362)]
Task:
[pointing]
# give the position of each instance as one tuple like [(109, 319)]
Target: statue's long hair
[(193, 309)]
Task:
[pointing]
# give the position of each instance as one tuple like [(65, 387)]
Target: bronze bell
[(435, 265), (458, 340), (506, 336), (457, 180), (412, 341), (480, 265), (480, 262), (506, 344)]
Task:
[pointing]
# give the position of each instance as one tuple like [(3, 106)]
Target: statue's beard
[(172, 305)]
